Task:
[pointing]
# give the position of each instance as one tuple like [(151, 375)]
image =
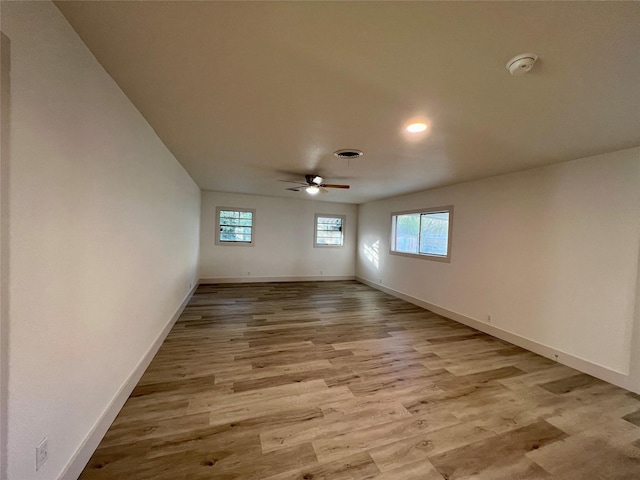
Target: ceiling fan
[(313, 185)]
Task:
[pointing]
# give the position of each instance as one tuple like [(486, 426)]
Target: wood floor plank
[(358, 466), (365, 439), (606, 451), (274, 371), (230, 412), (633, 417), (570, 384), (500, 451), (420, 447), (420, 470), (338, 381), (336, 422)]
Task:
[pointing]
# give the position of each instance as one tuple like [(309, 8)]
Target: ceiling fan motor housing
[(314, 179)]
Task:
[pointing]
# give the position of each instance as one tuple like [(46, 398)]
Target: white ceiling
[(246, 93)]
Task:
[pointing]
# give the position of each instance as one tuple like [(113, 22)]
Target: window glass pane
[(407, 233), (243, 230), (330, 223), (326, 227), (329, 241), (236, 221), (229, 213), (434, 230), (329, 238), (234, 237), (329, 231), (236, 226)]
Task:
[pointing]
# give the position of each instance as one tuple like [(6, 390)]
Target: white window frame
[(425, 256), (227, 243), (315, 229)]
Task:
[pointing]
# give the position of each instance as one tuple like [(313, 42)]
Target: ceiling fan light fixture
[(312, 189), (317, 180), (416, 127)]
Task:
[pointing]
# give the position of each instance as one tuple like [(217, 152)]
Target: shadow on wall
[(5, 48)]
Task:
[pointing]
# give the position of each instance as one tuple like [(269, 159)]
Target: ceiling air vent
[(348, 153)]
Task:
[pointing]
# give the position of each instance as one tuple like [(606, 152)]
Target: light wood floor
[(335, 380)]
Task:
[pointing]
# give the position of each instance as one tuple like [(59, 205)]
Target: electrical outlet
[(42, 453), (555, 357), (321, 272), (488, 318), (248, 274)]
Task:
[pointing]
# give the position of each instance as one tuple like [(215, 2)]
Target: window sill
[(234, 244), (423, 256)]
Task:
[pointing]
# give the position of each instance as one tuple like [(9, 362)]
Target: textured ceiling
[(247, 93)]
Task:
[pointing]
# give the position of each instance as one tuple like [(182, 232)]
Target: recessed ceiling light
[(312, 189), (417, 127)]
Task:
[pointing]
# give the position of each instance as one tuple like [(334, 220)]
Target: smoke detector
[(521, 64)]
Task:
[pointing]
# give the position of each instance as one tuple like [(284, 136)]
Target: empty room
[(305, 240)]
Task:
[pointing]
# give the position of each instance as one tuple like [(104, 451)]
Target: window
[(235, 226), (424, 233), (329, 231)]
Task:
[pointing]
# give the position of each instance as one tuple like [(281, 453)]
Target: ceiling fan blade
[(291, 181), (314, 181)]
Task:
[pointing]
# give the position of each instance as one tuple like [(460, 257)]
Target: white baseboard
[(608, 375), (82, 455), (317, 278)]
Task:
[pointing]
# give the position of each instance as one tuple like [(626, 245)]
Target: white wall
[(103, 247), (4, 247), (634, 368), (550, 253), (283, 247)]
